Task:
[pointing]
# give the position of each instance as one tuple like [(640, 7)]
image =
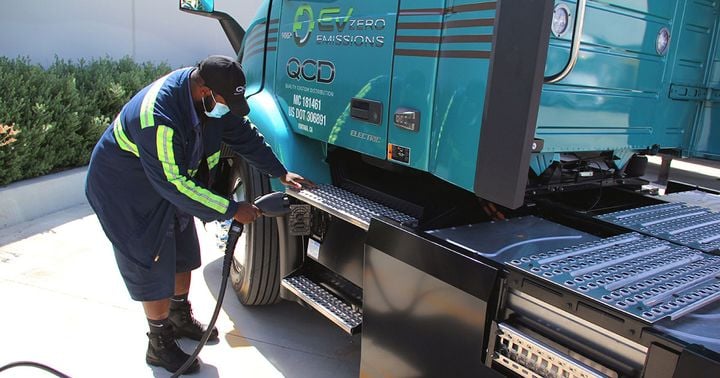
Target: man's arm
[(162, 157), (245, 139)]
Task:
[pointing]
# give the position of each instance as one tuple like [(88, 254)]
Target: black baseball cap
[(224, 75)]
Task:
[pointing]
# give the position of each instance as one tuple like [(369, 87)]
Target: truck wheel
[(255, 273)]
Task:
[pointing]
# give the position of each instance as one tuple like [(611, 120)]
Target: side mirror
[(204, 6)]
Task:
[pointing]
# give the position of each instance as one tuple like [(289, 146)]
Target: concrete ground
[(700, 172), (65, 305)]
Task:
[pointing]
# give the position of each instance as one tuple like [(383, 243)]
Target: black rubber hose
[(35, 365), (234, 233), (236, 229)]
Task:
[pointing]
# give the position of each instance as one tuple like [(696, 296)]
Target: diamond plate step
[(696, 198), (324, 302), (641, 276), (349, 206), (693, 226)]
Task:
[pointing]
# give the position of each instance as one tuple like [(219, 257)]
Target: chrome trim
[(575, 45), (515, 367), (531, 358)]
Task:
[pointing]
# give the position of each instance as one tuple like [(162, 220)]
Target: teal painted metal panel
[(460, 92), (254, 48), (415, 65), (273, 36), (328, 53), (610, 98), (706, 143), (695, 39), (299, 154), (658, 8), (691, 65), (582, 121), (617, 97), (541, 161)]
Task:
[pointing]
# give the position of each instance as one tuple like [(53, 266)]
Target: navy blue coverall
[(140, 180)]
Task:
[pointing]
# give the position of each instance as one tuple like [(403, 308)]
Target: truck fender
[(300, 154)]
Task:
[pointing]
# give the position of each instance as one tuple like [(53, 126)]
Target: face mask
[(219, 110)]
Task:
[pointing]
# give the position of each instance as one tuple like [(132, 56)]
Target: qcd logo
[(322, 71)]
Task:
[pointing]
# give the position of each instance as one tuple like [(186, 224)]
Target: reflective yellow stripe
[(213, 159), (122, 140), (166, 155), (147, 109)]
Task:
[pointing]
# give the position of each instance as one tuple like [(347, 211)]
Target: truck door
[(440, 71), (691, 73), (639, 79), (333, 68), (706, 140)]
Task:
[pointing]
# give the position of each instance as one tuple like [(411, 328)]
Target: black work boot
[(185, 325), (163, 351)]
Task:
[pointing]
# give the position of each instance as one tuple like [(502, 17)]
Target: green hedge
[(50, 119)]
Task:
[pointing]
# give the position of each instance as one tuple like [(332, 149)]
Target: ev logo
[(328, 20), (303, 16)]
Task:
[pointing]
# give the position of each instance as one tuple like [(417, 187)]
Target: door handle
[(366, 110)]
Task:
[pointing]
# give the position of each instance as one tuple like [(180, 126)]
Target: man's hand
[(247, 213), (492, 211), (295, 181)]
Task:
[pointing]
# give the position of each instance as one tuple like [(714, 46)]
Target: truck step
[(641, 276), (694, 226), (349, 206), (324, 302)]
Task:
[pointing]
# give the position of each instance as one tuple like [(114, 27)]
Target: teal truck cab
[(481, 208)]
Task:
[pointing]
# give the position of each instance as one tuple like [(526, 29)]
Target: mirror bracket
[(234, 32)]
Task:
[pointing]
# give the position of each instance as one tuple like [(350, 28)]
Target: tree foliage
[(50, 119)]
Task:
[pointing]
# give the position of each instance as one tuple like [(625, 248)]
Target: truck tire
[(255, 273)]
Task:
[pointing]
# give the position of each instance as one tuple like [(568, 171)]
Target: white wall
[(147, 30)]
